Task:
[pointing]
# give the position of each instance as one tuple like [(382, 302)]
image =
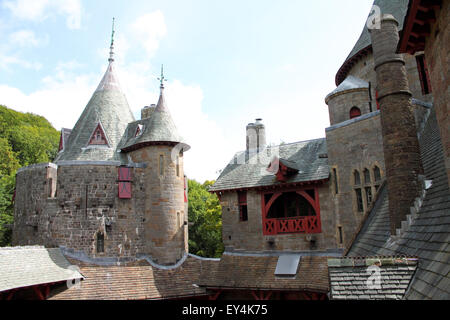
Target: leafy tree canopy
[(205, 221), (25, 139)]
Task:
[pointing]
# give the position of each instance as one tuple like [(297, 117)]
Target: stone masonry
[(401, 147)]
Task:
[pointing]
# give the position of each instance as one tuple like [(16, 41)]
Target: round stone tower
[(155, 143)]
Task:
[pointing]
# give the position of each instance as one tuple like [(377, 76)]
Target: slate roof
[(159, 127), (349, 83), (249, 173), (258, 272), (428, 236), (351, 279), (33, 265), (136, 282), (108, 105), (397, 8)]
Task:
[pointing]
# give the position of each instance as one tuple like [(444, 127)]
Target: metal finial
[(162, 78), (111, 48)]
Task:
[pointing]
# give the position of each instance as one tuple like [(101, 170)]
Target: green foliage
[(25, 139), (205, 221)]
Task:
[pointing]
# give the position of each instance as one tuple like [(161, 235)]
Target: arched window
[(356, 178), (366, 176), (290, 204), (355, 112), (377, 173)]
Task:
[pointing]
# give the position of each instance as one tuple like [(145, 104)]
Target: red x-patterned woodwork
[(303, 224), (124, 183)]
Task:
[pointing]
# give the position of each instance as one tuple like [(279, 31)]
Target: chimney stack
[(147, 111), (256, 136), (401, 146)]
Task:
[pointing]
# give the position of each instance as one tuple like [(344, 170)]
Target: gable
[(98, 137)]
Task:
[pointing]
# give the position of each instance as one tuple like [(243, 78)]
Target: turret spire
[(162, 78), (111, 48)]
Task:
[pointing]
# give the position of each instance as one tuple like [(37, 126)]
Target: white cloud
[(7, 62), (61, 99), (27, 38), (149, 29), (39, 10)]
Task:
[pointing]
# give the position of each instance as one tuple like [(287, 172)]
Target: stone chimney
[(147, 111), (256, 136), (401, 146)]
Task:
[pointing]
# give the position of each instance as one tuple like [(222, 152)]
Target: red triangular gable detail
[(98, 137), (61, 141)]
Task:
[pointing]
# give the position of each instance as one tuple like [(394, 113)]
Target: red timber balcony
[(292, 225), (291, 212)]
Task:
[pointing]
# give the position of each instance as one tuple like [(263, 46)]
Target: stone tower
[(401, 146), (159, 147)]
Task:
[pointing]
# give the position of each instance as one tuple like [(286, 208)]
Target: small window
[(243, 210), (368, 195), (341, 237), (178, 166), (366, 176), (357, 178), (100, 242), (423, 74), (359, 200), (335, 181), (355, 112), (161, 165), (377, 173)]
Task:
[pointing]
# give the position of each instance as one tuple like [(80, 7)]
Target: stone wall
[(85, 202), (248, 235), (437, 53), (165, 211), (353, 146), (340, 104), (364, 69)]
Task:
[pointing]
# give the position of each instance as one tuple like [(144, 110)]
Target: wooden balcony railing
[(309, 224)]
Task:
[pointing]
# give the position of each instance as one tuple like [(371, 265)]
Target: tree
[(205, 221), (25, 139)]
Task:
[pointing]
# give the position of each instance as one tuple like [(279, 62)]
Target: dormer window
[(282, 168), (139, 130), (98, 137)]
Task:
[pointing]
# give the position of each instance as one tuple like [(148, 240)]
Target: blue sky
[(227, 63)]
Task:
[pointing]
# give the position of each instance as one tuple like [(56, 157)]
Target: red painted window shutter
[(124, 190), (185, 190), (124, 174)]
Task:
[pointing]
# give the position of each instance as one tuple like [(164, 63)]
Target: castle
[(301, 220)]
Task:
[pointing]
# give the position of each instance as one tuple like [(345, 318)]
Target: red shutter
[(124, 183), (242, 198), (124, 190), (124, 174), (185, 190)]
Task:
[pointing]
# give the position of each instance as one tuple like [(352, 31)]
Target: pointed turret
[(100, 127), (159, 128)]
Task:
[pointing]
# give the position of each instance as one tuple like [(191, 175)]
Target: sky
[(227, 63)]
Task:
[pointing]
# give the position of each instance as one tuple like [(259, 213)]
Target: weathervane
[(111, 48), (162, 79)]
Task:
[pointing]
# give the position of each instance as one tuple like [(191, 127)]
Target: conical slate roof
[(158, 128), (398, 8), (349, 83), (108, 107)]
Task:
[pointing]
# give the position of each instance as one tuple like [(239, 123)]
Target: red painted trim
[(280, 187), (215, 295), (408, 25), (303, 224)]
